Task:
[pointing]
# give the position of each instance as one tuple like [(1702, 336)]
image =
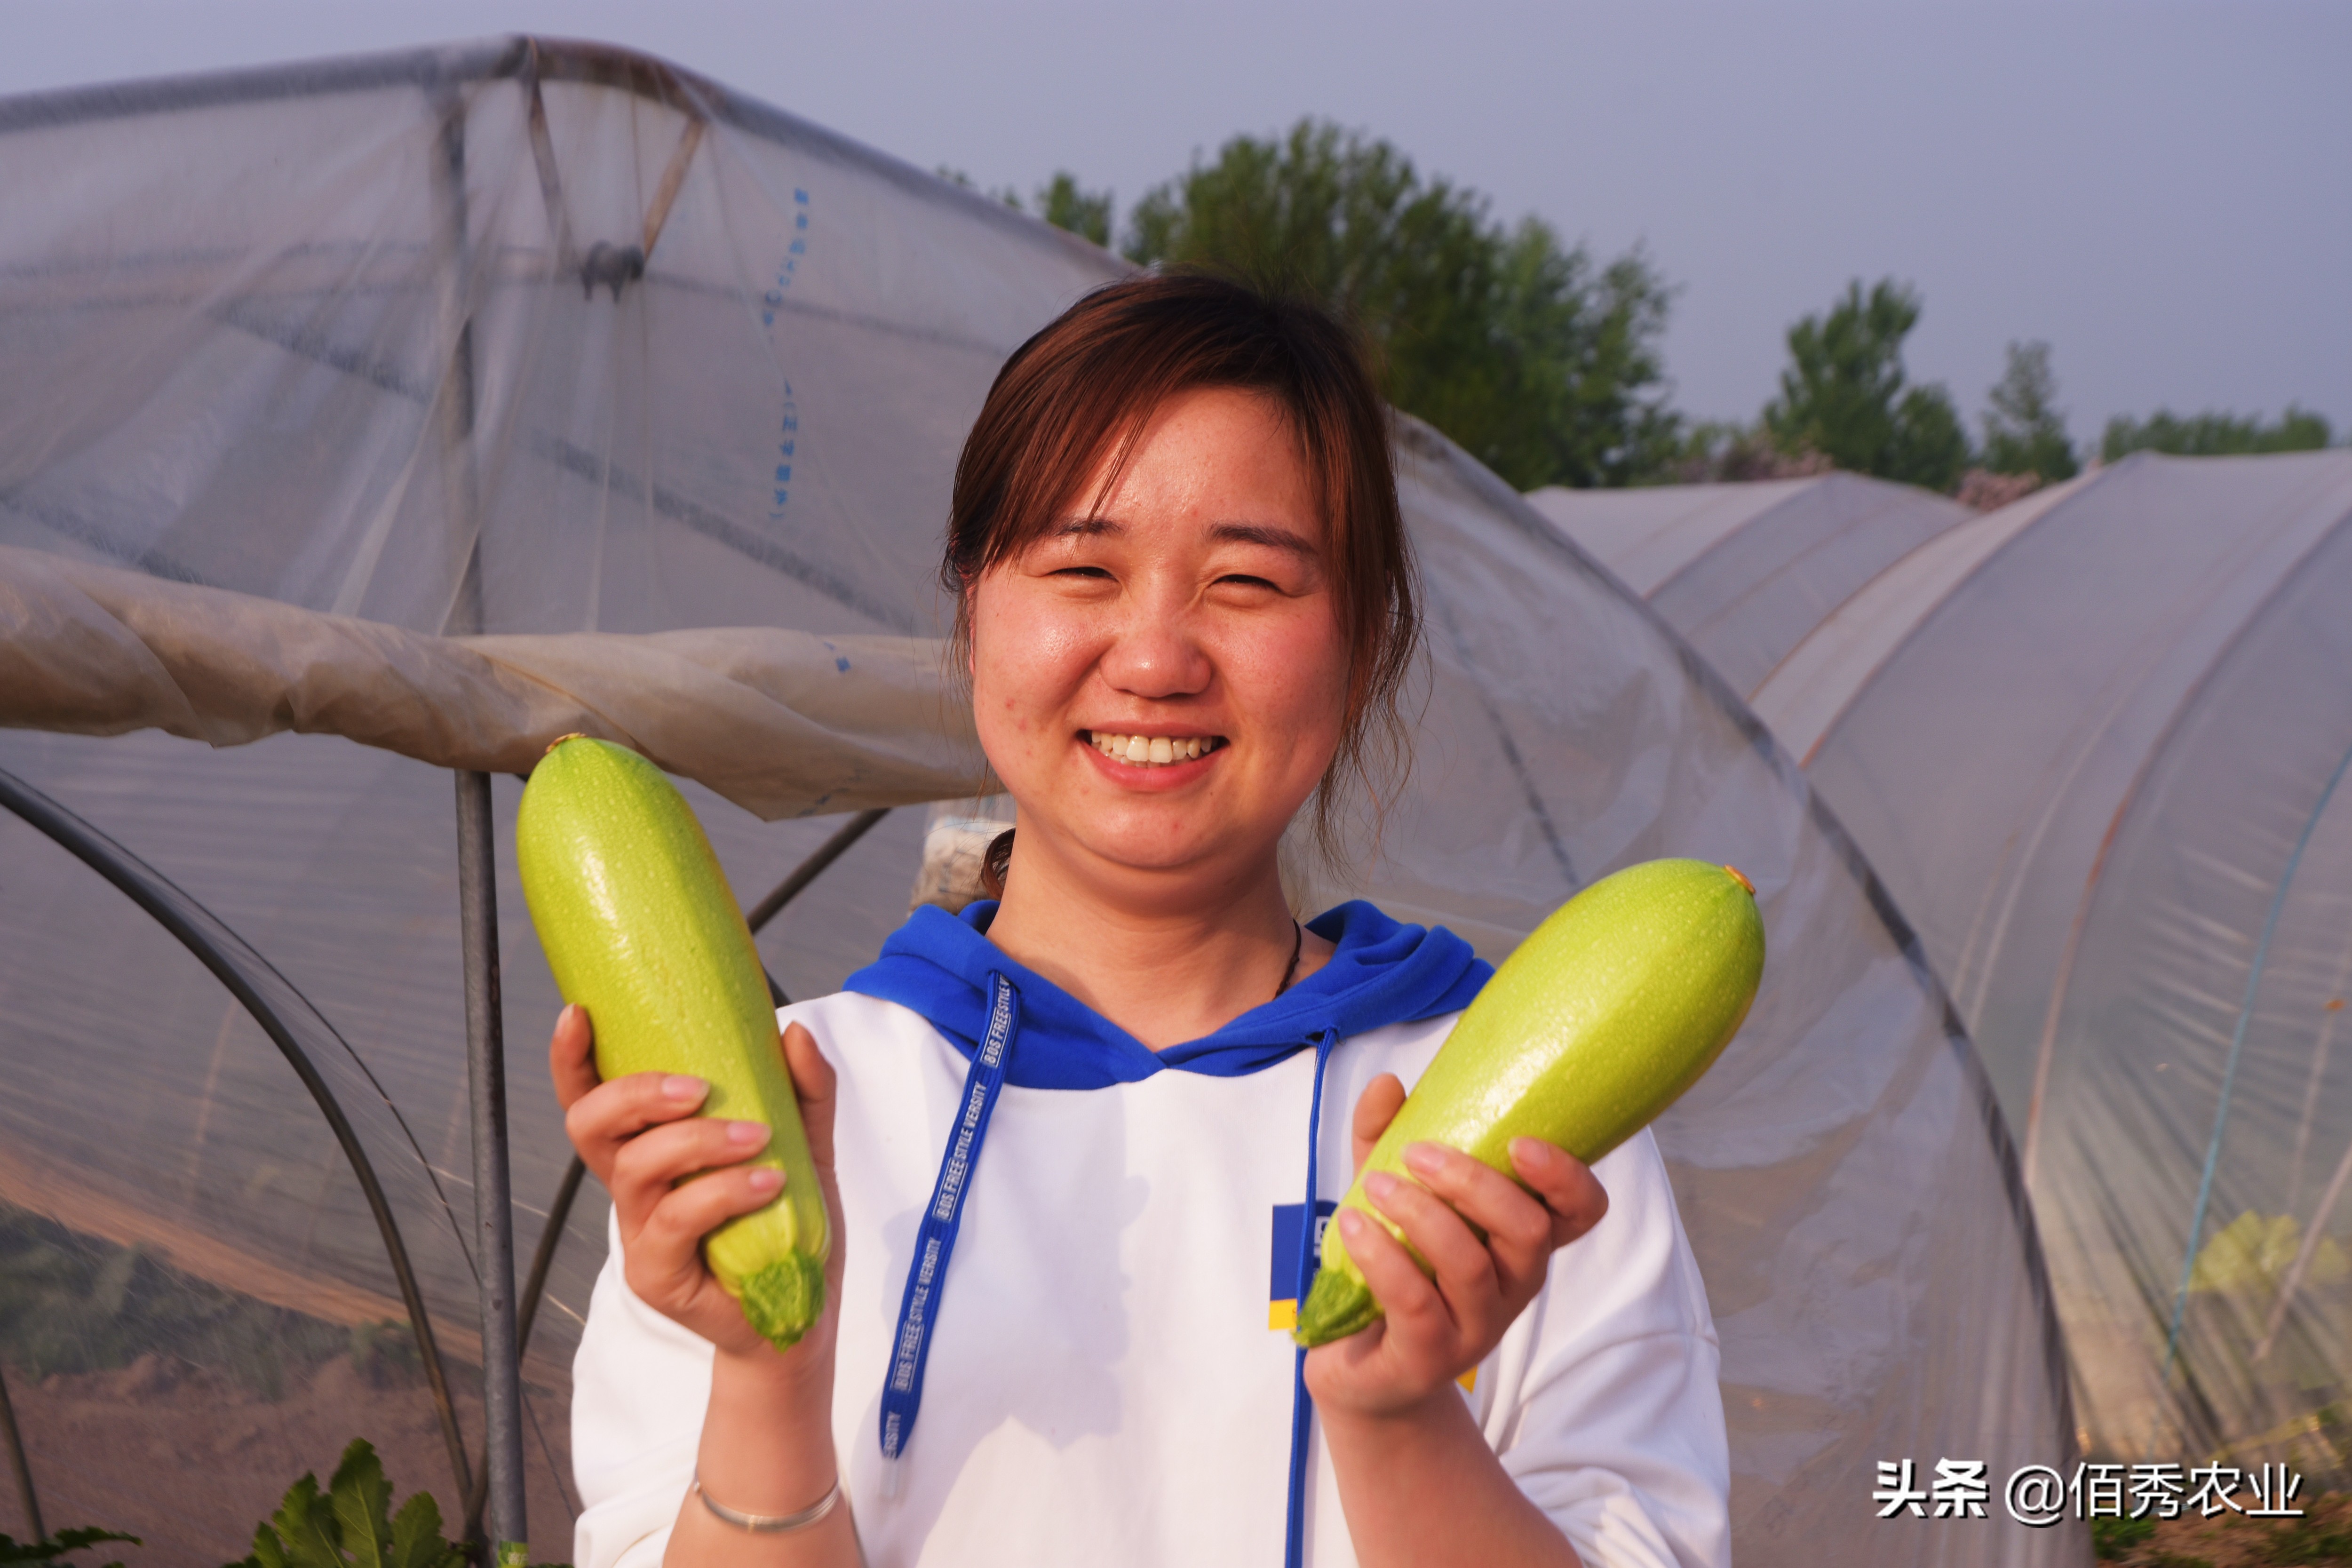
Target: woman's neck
[(1163, 958)]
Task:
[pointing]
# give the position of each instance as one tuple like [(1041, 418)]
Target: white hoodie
[(1105, 1384)]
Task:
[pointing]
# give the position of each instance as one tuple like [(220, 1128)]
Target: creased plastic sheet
[(2097, 744), (1746, 570), (782, 723), (367, 340), (2121, 838)]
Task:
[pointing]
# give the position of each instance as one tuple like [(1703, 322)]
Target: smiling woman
[(1185, 606), (1087, 396)]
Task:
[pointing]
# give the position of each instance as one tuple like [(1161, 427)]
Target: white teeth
[(1150, 751)]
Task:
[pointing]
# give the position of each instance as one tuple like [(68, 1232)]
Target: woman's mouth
[(1152, 751)]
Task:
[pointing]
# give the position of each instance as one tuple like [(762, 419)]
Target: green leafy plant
[(2114, 1537), (1845, 394), (2308, 1543), (2212, 434), (350, 1524), (1546, 361), (73, 1303), (2024, 429), (66, 1541)]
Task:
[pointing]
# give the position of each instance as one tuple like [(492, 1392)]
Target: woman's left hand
[(1433, 1331)]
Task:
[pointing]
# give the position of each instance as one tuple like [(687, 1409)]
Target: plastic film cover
[(532, 339)]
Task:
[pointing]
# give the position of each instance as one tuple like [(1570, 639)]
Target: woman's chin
[(1147, 848)]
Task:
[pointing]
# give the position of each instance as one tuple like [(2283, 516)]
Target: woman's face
[(1159, 685)]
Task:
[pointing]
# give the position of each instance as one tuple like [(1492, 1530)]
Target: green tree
[(1542, 362), (2024, 430), (2214, 435), (1843, 393), (1067, 206)]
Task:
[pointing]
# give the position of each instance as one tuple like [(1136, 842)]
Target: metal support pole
[(493, 1201), (825, 855), (17, 1463), (476, 877)]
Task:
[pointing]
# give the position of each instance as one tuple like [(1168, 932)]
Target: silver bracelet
[(771, 1523)]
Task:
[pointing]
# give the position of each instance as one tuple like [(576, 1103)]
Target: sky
[(2161, 191)]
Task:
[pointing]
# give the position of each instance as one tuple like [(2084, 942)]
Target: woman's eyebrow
[(1264, 533)]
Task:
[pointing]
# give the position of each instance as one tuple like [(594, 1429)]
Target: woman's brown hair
[(1087, 384)]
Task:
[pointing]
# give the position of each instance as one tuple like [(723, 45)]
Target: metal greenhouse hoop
[(141, 884)]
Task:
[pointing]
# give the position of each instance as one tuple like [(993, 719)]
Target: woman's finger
[(1375, 1109), (648, 1165), (813, 1083), (664, 1258), (1465, 1270), (1516, 1224), (570, 1055), (607, 1116), (1408, 1299), (1566, 1185)]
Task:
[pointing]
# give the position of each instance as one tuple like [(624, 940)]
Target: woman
[(1070, 1137)]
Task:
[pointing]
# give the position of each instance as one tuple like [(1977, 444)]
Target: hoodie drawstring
[(911, 1347), (1310, 1229), (902, 1391)]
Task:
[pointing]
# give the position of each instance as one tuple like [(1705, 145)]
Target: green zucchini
[(641, 930), (1599, 1021)]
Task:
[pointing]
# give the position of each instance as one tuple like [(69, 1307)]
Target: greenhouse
[(372, 424), (2096, 742), (1744, 570)]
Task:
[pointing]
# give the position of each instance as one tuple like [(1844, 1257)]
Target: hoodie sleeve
[(1604, 1405), (640, 1384)]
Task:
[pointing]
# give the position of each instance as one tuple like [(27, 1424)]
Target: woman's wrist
[(767, 1437), (1439, 1415), (803, 1374)]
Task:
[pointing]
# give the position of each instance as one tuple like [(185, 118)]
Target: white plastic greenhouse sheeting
[(2096, 742), (322, 335), (1746, 571)]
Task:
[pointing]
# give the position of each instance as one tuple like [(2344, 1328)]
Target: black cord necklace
[(1298, 944)]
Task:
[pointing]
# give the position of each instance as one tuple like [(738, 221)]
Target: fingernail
[(1351, 1223), (678, 1086), (747, 1134), (766, 1179), (1427, 1158), (1532, 1151), (1380, 1187), (564, 1014)]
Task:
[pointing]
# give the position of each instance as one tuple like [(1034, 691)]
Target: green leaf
[(417, 1540), (65, 1540), (306, 1530), (268, 1552), (362, 1505)]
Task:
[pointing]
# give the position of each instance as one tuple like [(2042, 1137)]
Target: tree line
[(1546, 361)]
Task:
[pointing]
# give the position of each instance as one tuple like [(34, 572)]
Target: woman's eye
[(1096, 571), (1244, 580)]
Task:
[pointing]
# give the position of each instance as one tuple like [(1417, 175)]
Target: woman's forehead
[(1223, 458)]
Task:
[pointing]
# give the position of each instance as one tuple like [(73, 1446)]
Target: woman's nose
[(1155, 654)]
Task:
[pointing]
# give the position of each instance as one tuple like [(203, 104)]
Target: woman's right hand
[(641, 1138)]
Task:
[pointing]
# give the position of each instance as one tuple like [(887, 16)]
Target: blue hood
[(1383, 973)]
